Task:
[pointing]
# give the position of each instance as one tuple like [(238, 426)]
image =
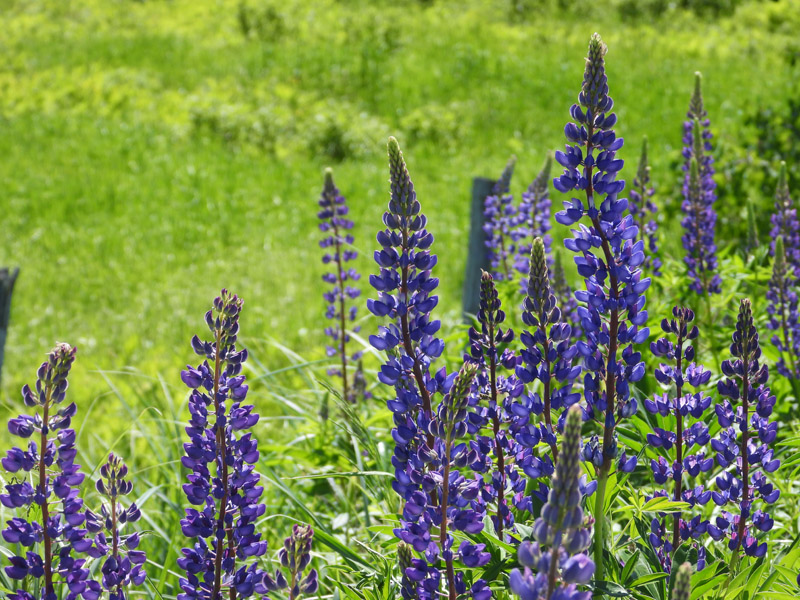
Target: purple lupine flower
[(682, 590), (408, 588), (547, 356), (555, 563), (499, 216), (501, 413), (225, 542), (681, 371), (699, 196), (339, 251), (742, 447), (533, 220), (643, 209), (437, 497), (612, 312), (51, 540), (565, 298), (786, 225), (123, 565), (294, 557), (782, 310)]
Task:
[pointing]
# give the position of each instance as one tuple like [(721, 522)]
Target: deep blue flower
[(339, 251), (499, 219), (56, 531), (742, 446), (531, 221), (644, 211), (223, 483), (608, 259), (699, 195), (786, 224), (554, 564), (679, 370)]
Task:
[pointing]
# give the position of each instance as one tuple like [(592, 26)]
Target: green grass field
[(154, 152)]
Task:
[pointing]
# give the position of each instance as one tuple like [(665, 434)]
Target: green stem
[(599, 524)]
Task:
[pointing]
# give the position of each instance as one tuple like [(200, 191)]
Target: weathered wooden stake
[(7, 279), (477, 257)]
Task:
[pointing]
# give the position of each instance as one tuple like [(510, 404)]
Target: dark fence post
[(477, 257), (7, 279)]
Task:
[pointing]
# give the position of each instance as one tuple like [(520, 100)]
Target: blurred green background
[(153, 152)]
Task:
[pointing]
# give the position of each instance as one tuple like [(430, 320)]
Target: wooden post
[(477, 256), (7, 280)]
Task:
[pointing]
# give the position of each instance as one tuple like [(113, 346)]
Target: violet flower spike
[(742, 447), (52, 542), (682, 590), (338, 243), (294, 557), (783, 316), (612, 312), (554, 565), (681, 371), (229, 501), (499, 217), (644, 210), (533, 220), (123, 564), (699, 196), (786, 225)]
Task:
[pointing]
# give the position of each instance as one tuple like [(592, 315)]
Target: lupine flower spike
[(52, 539), (682, 589), (123, 565), (782, 310), (294, 558), (554, 565), (644, 211), (742, 447), (548, 353), (699, 195), (609, 260), (786, 225), (223, 483), (680, 372), (488, 349), (437, 498), (533, 220), (499, 218), (339, 251)]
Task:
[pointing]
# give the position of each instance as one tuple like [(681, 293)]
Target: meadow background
[(153, 152)]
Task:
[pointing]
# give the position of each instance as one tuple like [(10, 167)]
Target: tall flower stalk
[(338, 243), (613, 315), (554, 564), (499, 217), (644, 211), (438, 499), (681, 372), (783, 315), (223, 482), (699, 195), (533, 220), (786, 225), (742, 446), (295, 556), (51, 540)]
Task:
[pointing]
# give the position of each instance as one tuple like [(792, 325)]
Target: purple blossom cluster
[(644, 210), (532, 220), (337, 244), (680, 371), (45, 476), (429, 455), (499, 217), (782, 311), (223, 483), (554, 564), (743, 445), (785, 224), (295, 556), (608, 259), (699, 195)]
